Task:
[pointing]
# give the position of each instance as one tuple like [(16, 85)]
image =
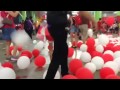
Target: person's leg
[(84, 31), (50, 49), (60, 52)]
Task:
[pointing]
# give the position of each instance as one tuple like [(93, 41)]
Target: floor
[(32, 72)]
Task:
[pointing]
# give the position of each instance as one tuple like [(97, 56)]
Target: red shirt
[(99, 25), (4, 15)]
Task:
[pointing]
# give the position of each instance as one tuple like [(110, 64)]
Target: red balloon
[(35, 52), (48, 36), (104, 72), (8, 64), (112, 77), (96, 53), (74, 65), (90, 42), (116, 48), (107, 57), (19, 48), (84, 73), (39, 61), (91, 49), (69, 77), (109, 46), (24, 55), (79, 44), (70, 52), (110, 20), (28, 53)]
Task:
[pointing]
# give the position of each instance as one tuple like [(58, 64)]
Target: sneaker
[(14, 58), (8, 58)]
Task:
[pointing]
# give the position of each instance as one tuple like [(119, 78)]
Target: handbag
[(7, 20)]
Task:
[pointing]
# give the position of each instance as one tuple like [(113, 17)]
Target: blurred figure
[(86, 18), (28, 26), (7, 30)]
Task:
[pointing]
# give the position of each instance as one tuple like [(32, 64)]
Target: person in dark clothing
[(28, 27), (57, 21)]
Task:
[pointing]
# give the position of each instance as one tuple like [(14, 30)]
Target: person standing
[(57, 22), (7, 31)]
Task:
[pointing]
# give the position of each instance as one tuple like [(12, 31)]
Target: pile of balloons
[(101, 54)]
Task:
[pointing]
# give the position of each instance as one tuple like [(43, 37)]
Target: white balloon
[(90, 32), (109, 52), (100, 48), (23, 62), (85, 57), (103, 39), (1, 66), (98, 61), (34, 41), (91, 67), (17, 54), (117, 60), (57, 76), (20, 38), (83, 47), (116, 54), (78, 54), (11, 44), (113, 65), (39, 45), (44, 52), (74, 55), (7, 73), (96, 42)]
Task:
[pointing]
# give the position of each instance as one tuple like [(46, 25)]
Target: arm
[(13, 14)]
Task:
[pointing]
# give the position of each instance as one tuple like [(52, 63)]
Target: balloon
[(48, 36), (91, 49), (113, 65), (109, 52), (90, 42), (7, 73), (74, 43), (106, 71), (112, 77), (96, 53), (116, 48), (83, 48), (45, 53), (74, 65), (100, 48), (116, 54), (11, 48), (8, 64), (117, 60), (110, 21), (85, 57), (19, 48), (39, 61), (57, 76), (79, 44), (98, 61), (28, 53), (35, 52), (70, 52), (107, 57), (103, 39), (39, 45), (34, 41), (20, 38), (23, 62), (109, 46), (96, 42), (69, 77), (91, 67), (90, 32), (84, 73)]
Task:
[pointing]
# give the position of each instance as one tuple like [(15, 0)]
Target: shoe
[(8, 58), (14, 58)]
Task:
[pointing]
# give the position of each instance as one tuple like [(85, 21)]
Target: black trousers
[(60, 53)]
